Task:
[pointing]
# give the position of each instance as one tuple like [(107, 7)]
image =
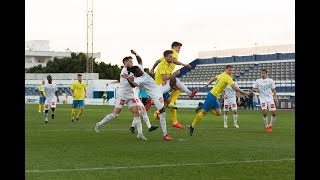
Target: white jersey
[(125, 89), (230, 92), (50, 90), (147, 83), (265, 86)]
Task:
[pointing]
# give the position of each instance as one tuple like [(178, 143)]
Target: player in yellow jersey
[(41, 97), (211, 102), (78, 92), (176, 46), (166, 68)]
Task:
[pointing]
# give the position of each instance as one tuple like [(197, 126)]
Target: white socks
[(108, 118), (163, 123), (265, 120), (183, 87), (235, 118), (272, 120), (225, 118), (146, 118), (137, 121)]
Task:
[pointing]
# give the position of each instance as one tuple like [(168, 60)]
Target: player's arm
[(165, 77), (154, 66), (137, 56), (211, 80), (255, 87), (85, 91), (56, 92), (175, 61), (130, 79), (238, 97), (240, 90), (274, 91), (41, 93), (71, 92)]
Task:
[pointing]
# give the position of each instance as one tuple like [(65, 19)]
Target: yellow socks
[(174, 115), (174, 95), (73, 112), (80, 112), (197, 118)]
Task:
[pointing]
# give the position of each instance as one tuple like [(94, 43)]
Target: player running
[(50, 90)]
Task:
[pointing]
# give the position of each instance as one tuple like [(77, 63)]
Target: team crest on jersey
[(161, 99)]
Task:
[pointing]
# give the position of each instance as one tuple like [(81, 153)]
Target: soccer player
[(41, 97), (105, 97), (175, 47), (268, 96), (125, 96), (146, 82), (142, 112), (49, 91), (163, 74), (78, 92), (211, 102), (230, 101)]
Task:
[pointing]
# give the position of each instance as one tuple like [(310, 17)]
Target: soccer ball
[(156, 115)]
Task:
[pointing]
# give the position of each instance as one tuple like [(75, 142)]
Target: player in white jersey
[(51, 97), (268, 97), (230, 101), (142, 112), (147, 83), (125, 96)]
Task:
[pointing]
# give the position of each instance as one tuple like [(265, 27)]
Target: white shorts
[(231, 102), (128, 101), (165, 86), (158, 101), (50, 103), (268, 104)]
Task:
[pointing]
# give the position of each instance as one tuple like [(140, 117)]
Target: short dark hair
[(175, 44), (132, 69), (167, 52), (126, 59), (228, 66), (49, 76), (264, 70), (79, 75)]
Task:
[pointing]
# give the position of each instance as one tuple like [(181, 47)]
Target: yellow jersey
[(40, 88), (165, 68), (223, 80), (78, 90)]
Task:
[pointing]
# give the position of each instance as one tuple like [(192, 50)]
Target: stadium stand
[(280, 67)]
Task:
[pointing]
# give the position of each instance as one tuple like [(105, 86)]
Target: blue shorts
[(166, 96), (41, 100), (211, 102), (77, 103), (255, 104)]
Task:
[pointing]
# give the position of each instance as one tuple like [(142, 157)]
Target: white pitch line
[(157, 166)]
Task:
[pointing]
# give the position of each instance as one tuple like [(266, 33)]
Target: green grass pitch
[(61, 149)]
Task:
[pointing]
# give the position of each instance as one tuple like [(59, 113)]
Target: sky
[(150, 26)]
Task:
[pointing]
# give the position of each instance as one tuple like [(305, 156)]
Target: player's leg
[(75, 104), (46, 109), (183, 88), (53, 106), (272, 109), (81, 105), (234, 109), (210, 103), (158, 101), (225, 116), (133, 106), (116, 111), (265, 114)]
